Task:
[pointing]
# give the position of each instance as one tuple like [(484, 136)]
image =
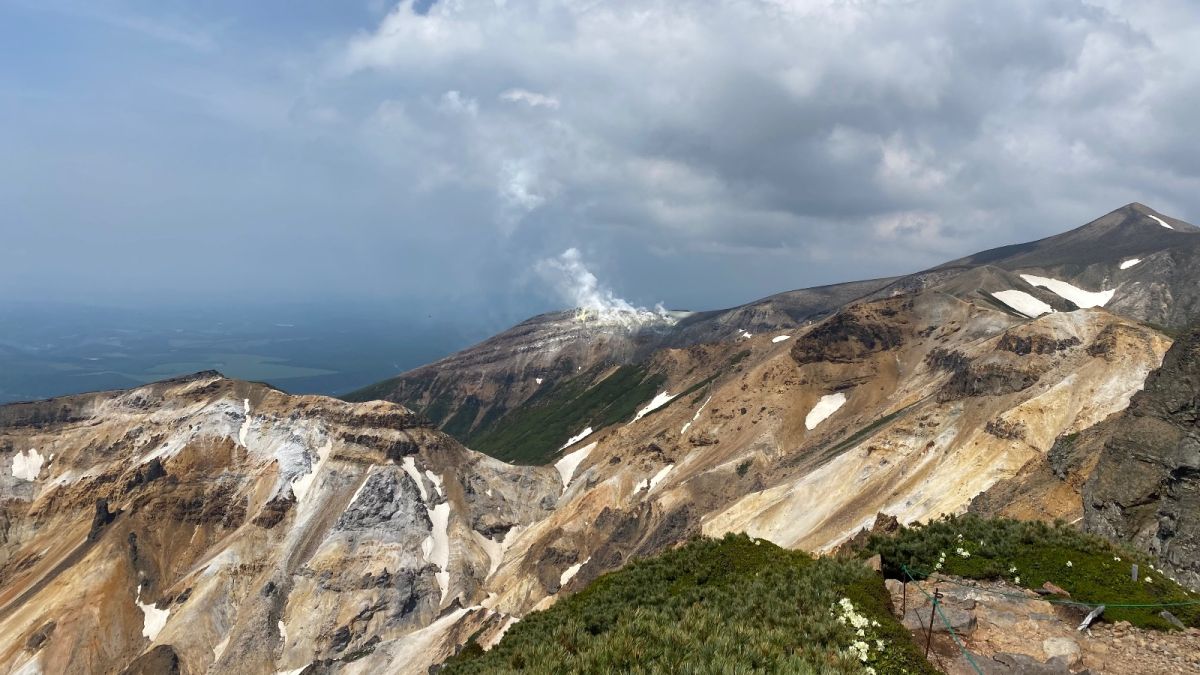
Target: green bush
[(1029, 554), (734, 605)]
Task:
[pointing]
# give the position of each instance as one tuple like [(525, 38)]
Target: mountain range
[(204, 524)]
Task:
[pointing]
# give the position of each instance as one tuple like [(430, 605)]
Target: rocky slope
[(1135, 262), (1145, 488), (469, 393), (207, 525), (214, 526)]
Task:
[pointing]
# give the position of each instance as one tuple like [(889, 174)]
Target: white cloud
[(530, 98)]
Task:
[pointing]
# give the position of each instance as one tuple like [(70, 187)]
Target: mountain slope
[(1134, 262), (218, 524)]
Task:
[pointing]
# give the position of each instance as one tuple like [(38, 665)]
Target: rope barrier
[(936, 607)]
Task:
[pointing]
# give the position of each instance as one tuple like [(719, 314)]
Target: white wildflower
[(1069, 564), (1017, 579), (1012, 570)]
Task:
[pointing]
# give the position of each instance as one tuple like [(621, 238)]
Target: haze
[(430, 157)]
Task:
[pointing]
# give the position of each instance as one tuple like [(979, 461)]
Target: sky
[(437, 157)]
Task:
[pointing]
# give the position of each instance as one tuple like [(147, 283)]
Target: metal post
[(1133, 572), (904, 602), (937, 595)]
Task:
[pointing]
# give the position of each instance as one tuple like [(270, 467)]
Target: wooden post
[(937, 595), (904, 602)]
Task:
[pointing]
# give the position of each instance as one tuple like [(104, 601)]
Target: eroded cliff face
[(1145, 488), (205, 524)]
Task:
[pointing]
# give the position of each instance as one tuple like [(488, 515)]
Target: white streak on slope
[(245, 428), (1160, 221), (695, 417), (650, 483), (437, 482), (436, 547), (828, 405), (302, 483), (1023, 302), (410, 467), (781, 338), (567, 465), (153, 619), (657, 402), (571, 571), (1130, 263), (27, 466), (1080, 297), (576, 438)]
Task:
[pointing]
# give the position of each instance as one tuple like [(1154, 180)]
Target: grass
[(733, 605), (534, 432), (1029, 554)]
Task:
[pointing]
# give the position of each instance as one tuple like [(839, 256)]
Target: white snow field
[(1023, 303), (1080, 297), (825, 407)]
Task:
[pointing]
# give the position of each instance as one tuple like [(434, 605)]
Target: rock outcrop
[(1145, 488)]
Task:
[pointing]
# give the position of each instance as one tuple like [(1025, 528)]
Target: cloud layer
[(707, 153)]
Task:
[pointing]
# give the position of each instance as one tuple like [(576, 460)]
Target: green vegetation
[(865, 432), (733, 605), (459, 424), (533, 433), (1029, 554)]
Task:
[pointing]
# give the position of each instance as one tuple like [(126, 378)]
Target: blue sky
[(698, 154)]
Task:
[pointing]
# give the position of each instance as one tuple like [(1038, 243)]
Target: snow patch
[(1160, 221), (495, 639), (1080, 297), (538, 380), (576, 438), (496, 549), (27, 466), (746, 335), (567, 465), (245, 428), (781, 338), (410, 467), (282, 632), (825, 407), (303, 482), (571, 571), (695, 417), (437, 482), (436, 547), (153, 619), (652, 482), (1023, 302), (1130, 263), (657, 402)]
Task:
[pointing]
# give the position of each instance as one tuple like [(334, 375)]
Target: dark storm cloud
[(697, 154)]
